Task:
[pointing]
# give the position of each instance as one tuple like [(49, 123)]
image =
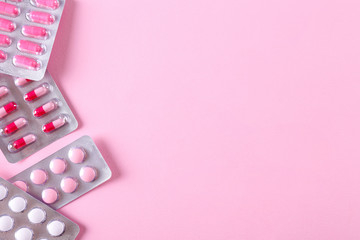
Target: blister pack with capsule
[(23, 217), (33, 114), (65, 175), (27, 34)]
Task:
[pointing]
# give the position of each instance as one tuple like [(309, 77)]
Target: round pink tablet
[(88, 174), (69, 184), (49, 195), (22, 185), (77, 155), (38, 176), (58, 165)]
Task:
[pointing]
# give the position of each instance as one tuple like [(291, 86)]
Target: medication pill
[(8, 9), (7, 25), (22, 185), (77, 155), (3, 192), (37, 215), (3, 91), (17, 204), (46, 108), (6, 223), (87, 174), (5, 41), (26, 62), (69, 184), (3, 56), (14, 126), (41, 17), (38, 176), (24, 234), (30, 47), (22, 142), (56, 228), (49, 195), (8, 108), (34, 32), (51, 126), (58, 166), (49, 4), (22, 81), (36, 93)]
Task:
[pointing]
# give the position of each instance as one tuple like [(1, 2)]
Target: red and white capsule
[(7, 109), (40, 17), (44, 109), (7, 25), (34, 32), (36, 93), (14, 126), (30, 47), (55, 124), (8, 9), (22, 81), (49, 4), (21, 142), (5, 41), (3, 91), (26, 62)]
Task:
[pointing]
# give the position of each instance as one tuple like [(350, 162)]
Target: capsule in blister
[(34, 32), (14, 126), (5, 41), (8, 9), (22, 81), (21, 142), (7, 109), (30, 47), (7, 25), (49, 4), (46, 108), (26, 62), (40, 17), (3, 91), (36, 93), (55, 124)]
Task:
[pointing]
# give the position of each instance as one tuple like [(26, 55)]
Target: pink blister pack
[(23, 217), (33, 114), (27, 34), (65, 175)]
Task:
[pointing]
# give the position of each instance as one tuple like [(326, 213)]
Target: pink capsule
[(8, 108), (14, 126), (44, 109), (36, 93), (49, 4), (57, 123), (34, 32), (8, 9), (29, 47), (3, 91), (5, 41), (41, 17), (22, 81), (7, 25), (3, 56), (26, 62), (22, 142)]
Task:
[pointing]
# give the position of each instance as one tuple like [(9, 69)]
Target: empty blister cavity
[(38, 176), (37, 215), (58, 165), (13, 126), (17, 204)]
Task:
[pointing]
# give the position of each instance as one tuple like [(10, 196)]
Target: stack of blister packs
[(33, 114)]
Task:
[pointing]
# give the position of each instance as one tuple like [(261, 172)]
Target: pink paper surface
[(221, 119)]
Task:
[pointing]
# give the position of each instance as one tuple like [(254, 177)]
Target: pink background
[(221, 119)]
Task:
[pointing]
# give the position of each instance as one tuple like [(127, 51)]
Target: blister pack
[(65, 175), (27, 34), (32, 115), (23, 217)]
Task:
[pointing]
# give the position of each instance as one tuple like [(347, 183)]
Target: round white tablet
[(37, 215), (17, 204), (3, 192), (6, 223), (56, 228), (24, 234)]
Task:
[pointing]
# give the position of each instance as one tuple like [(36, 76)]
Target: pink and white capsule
[(36, 93), (22, 142), (29, 47), (40, 17), (49, 4), (26, 62), (44, 109), (14, 126), (7, 108), (34, 32), (22, 81), (3, 91), (5, 41), (57, 123), (7, 25), (8, 9)]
